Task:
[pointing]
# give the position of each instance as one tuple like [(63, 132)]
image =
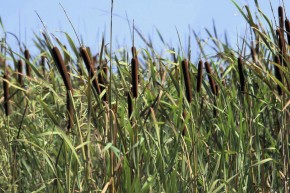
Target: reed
[(67, 82), (6, 93), (210, 77), (281, 18), (278, 74), (241, 74), (186, 76), (90, 68), (199, 76), (282, 47), (20, 72), (27, 58)]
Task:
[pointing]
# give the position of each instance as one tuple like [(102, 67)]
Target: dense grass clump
[(154, 124)]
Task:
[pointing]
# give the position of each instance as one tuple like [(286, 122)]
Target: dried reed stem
[(27, 57), (210, 78), (90, 68), (241, 74), (199, 76), (186, 80)]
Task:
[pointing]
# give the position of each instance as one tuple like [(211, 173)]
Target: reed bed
[(232, 134)]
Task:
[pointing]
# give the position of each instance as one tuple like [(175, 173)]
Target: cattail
[(186, 80), (134, 74), (20, 72), (210, 79), (90, 68), (241, 74), (281, 17), (134, 52), (282, 47), (287, 26), (130, 106), (278, 74), (28, 68), (102, 77), (42, 64), (6, 93), (67, 82), (199, 76)]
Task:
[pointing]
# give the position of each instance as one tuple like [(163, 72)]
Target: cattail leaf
[(49, 113)]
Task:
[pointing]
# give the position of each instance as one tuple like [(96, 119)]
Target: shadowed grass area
[(154, 124)]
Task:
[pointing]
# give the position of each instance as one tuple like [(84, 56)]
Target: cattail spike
[(20, 72), (134, 63), (210, 78), (278, 74), (90, 68), (186, 80), (27, 57), (6, 93), (241, 74), (287, 26), (199, 76), (281, 17)]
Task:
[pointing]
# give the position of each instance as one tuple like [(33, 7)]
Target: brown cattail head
[(20, 72), (241, 74), (282, 47), (62, 68), (278, 73), (186, 76), (210, 78), (199, 76), (90, 68), (281, 17), (102, 77), (6, 93), (130, 106), (287, 26), (27, 57), (134, 71), (134, 52), (42, 64)]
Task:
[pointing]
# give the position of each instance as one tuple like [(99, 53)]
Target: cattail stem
[(6, 93), (20, 72), (241, 74), (90, 68), (27, 57), (210, 78), (134, 71), (199, 76), (186, 80)]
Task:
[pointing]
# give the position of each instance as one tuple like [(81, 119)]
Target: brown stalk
[(186, 80), (67, 82), (210, 79), (90, 68), (278, 74), (241, 74), (27, 57), (199, 76), (6, 93), (20, 72)]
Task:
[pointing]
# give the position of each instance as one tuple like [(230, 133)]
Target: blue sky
[(91, 19)]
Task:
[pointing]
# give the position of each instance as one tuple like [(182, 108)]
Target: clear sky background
[(91, 19)]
